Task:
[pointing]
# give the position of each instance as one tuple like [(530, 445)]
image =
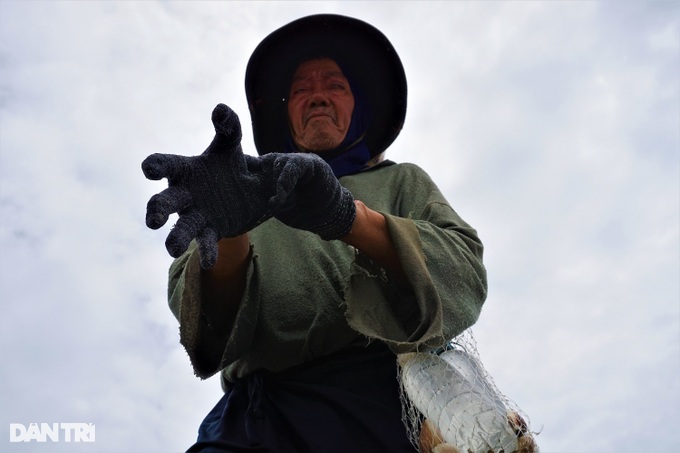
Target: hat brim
[(360, 49)]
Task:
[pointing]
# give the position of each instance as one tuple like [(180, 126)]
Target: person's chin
[(321, 142)]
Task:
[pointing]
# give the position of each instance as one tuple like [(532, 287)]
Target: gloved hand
[(309, 196), (224, 193)]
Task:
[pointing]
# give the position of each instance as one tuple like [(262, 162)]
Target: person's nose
[(318, 97)]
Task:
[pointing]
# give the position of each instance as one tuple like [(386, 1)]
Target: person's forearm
[(223, 284), (370, 235)]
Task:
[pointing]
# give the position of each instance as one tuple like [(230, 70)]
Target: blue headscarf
[(352, 155)]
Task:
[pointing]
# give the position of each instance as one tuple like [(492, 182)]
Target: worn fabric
[(307, 298)]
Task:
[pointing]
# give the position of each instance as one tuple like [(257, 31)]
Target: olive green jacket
[(306, 298)]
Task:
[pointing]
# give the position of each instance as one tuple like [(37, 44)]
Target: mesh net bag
[(451, 404)]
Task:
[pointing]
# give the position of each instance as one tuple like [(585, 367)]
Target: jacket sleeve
[(207, 343), (185, 300), (442, 258)]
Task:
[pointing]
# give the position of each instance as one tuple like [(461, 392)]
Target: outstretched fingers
[(188, 226), (161, 205), (227, 131), (207, 247), (158, 166)]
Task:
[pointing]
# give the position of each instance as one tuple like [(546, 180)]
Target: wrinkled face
[(320, 105)]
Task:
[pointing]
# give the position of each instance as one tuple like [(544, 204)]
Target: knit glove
[(224, 193), (309, 196)]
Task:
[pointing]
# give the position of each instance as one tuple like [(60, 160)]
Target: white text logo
[(51, 432)]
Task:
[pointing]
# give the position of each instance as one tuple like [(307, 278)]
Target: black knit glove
[(224, 193), (309, 196)]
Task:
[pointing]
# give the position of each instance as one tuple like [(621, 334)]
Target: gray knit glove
[(224, 193)]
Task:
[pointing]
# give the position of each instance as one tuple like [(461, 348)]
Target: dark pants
[(347, 402)]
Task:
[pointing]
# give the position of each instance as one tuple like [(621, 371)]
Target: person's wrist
[(360, 224), (232, 253)]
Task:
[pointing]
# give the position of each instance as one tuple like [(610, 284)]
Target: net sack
[(451, 404)]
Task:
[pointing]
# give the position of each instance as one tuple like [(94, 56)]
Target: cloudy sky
[(552, 127)]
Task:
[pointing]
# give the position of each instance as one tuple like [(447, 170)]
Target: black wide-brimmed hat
[(366, 57)]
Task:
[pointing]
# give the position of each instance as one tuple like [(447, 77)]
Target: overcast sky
[(551, 127)]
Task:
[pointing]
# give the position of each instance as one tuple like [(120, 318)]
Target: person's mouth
[(314, 115)]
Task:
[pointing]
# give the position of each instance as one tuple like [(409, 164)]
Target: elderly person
[(302, 272)]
